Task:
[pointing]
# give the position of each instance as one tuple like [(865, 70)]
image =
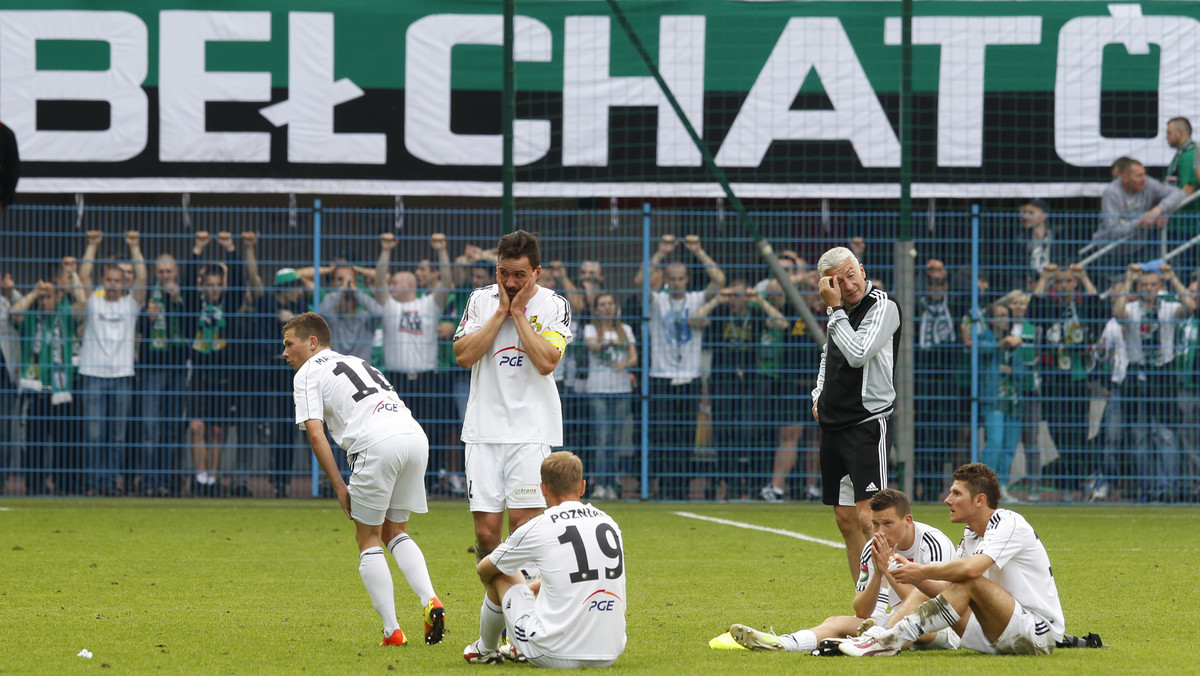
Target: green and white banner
[(793, 99)]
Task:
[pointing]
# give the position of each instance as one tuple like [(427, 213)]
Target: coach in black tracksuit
[(854, 394)]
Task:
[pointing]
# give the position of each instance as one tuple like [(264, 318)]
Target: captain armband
[(556, 339)]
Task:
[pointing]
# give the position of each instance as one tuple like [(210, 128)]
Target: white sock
[(803, 640), (412, 564), (491, 623), (933, 615), (377, 578)]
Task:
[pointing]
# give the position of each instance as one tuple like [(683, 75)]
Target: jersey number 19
[(610, 545)]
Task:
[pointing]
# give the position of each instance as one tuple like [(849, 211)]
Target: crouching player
[(387, 451), (577, 617), (877, 591)]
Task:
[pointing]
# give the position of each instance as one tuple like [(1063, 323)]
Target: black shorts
[(211, 397), (860, 451)]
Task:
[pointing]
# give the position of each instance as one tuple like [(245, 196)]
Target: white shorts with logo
[(500, 475), (387, 479), (1026, 634), (521, 621)]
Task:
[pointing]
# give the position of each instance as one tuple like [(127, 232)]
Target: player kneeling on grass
[(387, 451), (576, 618), (895, 535), (1001, 597)]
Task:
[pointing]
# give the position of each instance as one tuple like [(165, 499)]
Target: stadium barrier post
[(976, 316), (644, 381), (316, 477)]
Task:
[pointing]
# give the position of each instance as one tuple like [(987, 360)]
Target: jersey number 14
[(363, 390)]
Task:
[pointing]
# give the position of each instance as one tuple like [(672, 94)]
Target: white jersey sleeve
[(473, 319), (581, 605), (554, 321), (1020, 565), (357, 404), (932, 545)]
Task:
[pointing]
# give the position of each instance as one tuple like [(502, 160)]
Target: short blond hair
[(562, 472)]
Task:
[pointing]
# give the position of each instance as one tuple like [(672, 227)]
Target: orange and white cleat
[(397, 638), (435, 622)]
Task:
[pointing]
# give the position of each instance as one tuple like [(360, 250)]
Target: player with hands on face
[(511, 336), (877, 592), (998, 591)]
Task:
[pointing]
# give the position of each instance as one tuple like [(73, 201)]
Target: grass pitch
[(246, 586)]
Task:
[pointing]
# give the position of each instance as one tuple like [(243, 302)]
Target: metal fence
[(1073, 386)]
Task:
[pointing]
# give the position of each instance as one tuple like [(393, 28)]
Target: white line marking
[(765, 529)]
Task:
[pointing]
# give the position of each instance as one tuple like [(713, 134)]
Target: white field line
[(765, 529)]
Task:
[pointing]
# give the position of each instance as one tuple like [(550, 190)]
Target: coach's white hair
[(835, 258)]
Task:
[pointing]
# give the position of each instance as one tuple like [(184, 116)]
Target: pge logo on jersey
[(510, 356), (387, 407), (601, 601)]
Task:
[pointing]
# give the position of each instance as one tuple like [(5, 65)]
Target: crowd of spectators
[(125, 380)]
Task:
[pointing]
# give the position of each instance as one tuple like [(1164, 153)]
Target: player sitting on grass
[(387, 451), (896, 535), (577, 616), (1001, 597)]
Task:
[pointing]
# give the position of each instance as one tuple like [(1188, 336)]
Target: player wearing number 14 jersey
[(576, 616), (387, 451)]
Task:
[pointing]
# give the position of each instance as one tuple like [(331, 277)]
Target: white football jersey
[(1021, 565), (359, 406), (581, 606), (410, 334), (930, 545), (510, 402)]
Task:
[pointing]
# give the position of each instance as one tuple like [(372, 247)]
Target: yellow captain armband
[(555, 339)]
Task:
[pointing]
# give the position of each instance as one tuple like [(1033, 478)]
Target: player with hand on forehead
[(853, 399), (387, 452)]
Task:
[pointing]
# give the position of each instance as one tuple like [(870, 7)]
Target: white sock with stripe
[(803, 640), (377, 578), (411, 562), (933, 615), (491, 623)]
